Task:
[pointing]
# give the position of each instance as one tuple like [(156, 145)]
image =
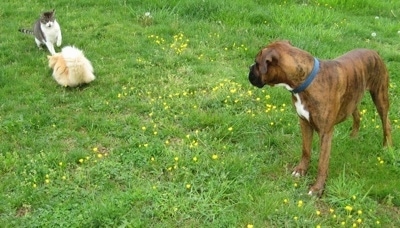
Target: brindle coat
[(333, 95)]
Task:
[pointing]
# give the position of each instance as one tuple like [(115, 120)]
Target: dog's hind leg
[(356, 123), (380, 97)]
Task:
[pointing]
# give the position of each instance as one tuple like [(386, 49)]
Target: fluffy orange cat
[(71, 67)]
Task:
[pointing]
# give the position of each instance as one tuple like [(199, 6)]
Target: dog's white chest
[(301, 111)]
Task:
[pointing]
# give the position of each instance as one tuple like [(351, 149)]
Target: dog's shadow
[(80, 87)]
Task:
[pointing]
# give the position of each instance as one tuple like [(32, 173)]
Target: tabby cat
[(46, 31)]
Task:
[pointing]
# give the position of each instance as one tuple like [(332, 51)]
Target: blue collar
[(309, 79)]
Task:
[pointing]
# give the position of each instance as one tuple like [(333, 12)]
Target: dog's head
[(269, 66), (52, 60), (57, 63)]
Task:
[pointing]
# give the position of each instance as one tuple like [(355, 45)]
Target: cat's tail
[(26, 31)]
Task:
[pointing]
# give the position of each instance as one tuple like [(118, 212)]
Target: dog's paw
[(316, 191), (298, 172)]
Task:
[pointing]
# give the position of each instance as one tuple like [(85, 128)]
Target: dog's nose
[(252, 78)]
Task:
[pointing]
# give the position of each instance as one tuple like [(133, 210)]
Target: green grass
[(171, 133)]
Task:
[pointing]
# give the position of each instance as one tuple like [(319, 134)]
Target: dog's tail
[(26, 31)]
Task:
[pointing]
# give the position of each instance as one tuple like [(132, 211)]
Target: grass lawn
[(171, 133)]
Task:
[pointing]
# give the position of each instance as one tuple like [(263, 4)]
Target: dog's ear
[(52, 60), (268, 56)]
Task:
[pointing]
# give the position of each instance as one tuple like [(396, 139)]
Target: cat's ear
[(53, 12)]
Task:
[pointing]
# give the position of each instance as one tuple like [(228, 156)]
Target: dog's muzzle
[(254, 79)]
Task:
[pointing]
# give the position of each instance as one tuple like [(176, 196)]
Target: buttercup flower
[(300, 203)]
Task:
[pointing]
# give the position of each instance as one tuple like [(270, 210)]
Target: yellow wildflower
[(300, 203), (348, 208)]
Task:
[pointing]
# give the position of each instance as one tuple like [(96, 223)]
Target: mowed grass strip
[(171, 133)]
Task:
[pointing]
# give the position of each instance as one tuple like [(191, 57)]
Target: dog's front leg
[(307, 135), (323, 163)]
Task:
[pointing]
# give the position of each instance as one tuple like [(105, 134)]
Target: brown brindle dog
[(324, 93)]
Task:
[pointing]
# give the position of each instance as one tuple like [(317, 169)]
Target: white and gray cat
[(46, 31)]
